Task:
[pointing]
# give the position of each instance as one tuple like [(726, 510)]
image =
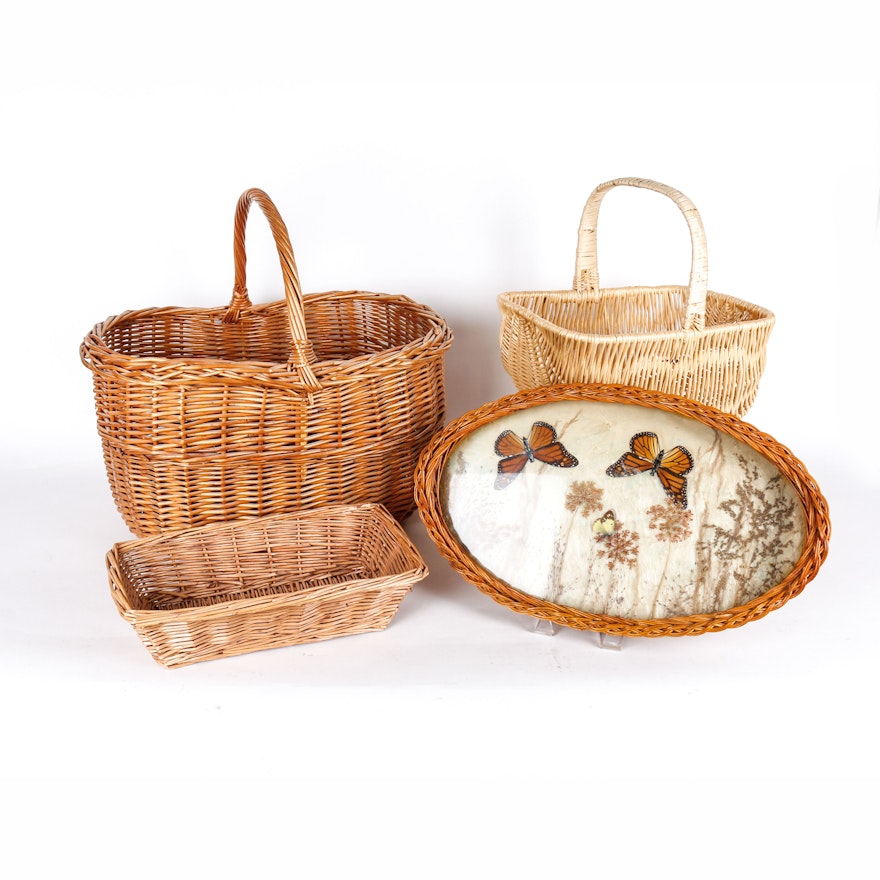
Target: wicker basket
[(432, 480), (210, 415), (686, 341), (232, 588)]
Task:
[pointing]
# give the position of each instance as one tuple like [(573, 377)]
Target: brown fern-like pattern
[(755, 547), (584, 497), (670, 522), (619, 548)]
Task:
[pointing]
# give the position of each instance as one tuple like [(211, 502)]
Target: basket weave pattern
[(434, 459), (686, 341), (232, 588), (209, 415)]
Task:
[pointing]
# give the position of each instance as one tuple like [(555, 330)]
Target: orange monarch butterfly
[(647, 457), (517, 452)]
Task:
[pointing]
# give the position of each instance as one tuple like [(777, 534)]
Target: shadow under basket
[(268, 582)]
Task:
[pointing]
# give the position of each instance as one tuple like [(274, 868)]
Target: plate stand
[(547, 628)]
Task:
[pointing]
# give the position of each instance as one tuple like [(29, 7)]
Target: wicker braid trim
[(432, 463), (101, 356), (533, 306)]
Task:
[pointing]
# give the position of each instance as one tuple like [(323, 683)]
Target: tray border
[(432, 463)]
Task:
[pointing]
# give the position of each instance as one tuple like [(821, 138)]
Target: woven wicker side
[(209, 415), (687, 341), (233, 588)]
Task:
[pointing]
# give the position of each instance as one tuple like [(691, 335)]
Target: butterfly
[(516, 452), (605, 525), (647, 457)]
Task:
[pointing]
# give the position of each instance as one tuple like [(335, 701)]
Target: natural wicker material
[(267, 582), (434, 458), (210, 415), (686, 341)]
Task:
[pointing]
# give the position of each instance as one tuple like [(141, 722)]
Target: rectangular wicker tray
[(267, 582)]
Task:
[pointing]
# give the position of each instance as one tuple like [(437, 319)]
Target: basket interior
[(247, 560), (339, 326), (634, 310)]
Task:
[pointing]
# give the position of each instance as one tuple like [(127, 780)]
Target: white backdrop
[(444, 154)]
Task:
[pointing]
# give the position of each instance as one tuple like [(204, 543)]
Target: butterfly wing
[(645, 447), (671, 470), (541, 434), (606, 524), (546, 448), (628, 464), (645, 444), (509, 468), (678, 461), (675, 486), (509, 443), (514, 457)]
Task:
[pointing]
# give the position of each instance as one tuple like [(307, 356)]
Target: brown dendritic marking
[(761, 534), (584, 497), (670, 522), (619, 548)]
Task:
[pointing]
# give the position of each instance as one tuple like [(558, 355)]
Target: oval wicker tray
[(621, 510)]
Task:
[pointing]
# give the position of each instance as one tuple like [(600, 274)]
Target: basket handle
[(586, 272), (302, 354)]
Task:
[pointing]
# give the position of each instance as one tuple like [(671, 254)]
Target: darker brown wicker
[(209, 415)]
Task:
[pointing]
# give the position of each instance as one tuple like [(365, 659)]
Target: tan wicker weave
[(433, 462), (232, 588), (209, 415), (686, 341)]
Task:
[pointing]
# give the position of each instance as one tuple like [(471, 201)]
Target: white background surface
[(444, 153)]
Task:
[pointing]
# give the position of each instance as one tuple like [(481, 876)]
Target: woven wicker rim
[(299, 373), (416, 571), (510, 300), (585, 285), (96, 355), (432, 463)]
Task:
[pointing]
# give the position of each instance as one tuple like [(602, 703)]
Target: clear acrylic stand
[(544, 627)]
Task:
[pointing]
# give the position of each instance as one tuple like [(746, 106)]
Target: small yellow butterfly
[(606, 524)]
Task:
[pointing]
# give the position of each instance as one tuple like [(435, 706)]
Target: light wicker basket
[(210, 415), (687, 341), (231, 588)]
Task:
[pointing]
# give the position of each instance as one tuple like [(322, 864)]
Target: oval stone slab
[(646, 510)]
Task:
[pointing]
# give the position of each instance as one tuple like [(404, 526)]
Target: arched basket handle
[(586, 273), (302, 355)]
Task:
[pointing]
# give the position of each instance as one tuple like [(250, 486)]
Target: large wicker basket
[(687, 341), (210, 415), (232, 588)]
